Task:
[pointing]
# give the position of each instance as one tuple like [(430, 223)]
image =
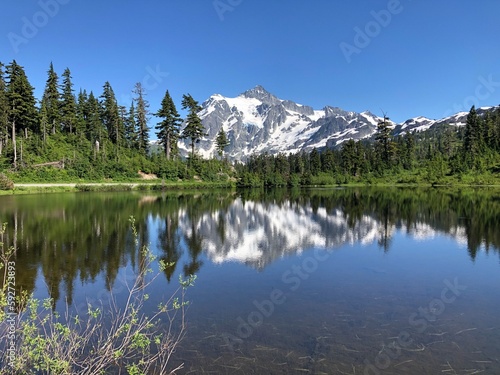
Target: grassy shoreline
[(74, 187), (67, 187)]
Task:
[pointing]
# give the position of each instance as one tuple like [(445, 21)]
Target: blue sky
[(406, 58)]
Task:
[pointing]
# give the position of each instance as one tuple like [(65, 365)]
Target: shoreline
[(60, 187)]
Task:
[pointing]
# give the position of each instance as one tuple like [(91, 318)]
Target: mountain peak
[(260, 93)]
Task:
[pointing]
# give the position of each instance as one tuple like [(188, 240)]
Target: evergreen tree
[(409, 151), (281, 166), (44, 120), (489, 131), (95, 130), (315, 161), (362, 157), (68, 104), (141, 118), (221, 142), (4, 127), (21, 104), (385, 145), (327, 160), (349, 157), (110, 116), (472, 143), (448, 138), (82, 112), (168, 129), (131, 129), (51, 100), (194, 129), (496, 129)]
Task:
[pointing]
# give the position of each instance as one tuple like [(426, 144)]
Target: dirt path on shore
[(74, 184)]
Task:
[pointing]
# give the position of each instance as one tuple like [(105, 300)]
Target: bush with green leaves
[(101, 340), (5, 182)]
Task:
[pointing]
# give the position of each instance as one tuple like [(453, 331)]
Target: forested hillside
[(87, 136), (446, 155), (66, 136)]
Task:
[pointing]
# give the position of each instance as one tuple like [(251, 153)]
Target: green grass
[(139, 185)]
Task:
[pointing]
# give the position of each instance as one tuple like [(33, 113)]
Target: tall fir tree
[(4, 123), (110, 115), (349, 155), (385, 145), (471, 146), (51, 101), (221, 142), (44, 121), (96, 132), (141, 118), (82, 112), (131, 129), (68, 104), (194, 129), (23, 114), (409, 151), (168, 129)]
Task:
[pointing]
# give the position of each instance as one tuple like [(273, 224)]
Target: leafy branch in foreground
[(109, 338)]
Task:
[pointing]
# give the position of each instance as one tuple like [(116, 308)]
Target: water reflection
[(68, 238)]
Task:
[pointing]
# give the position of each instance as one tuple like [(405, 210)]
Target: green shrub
[(5, 182), (98, 340)]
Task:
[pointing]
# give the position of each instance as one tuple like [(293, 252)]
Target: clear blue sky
[(428, 58)]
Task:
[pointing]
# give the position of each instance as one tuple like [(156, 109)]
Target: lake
[(312, 281)]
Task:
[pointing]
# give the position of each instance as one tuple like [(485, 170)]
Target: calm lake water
[(323, 281)]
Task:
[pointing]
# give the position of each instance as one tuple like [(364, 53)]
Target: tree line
[(93, 138), (446, 154), (90, 131)]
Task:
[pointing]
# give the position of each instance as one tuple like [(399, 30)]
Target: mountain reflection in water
[(65, 237)]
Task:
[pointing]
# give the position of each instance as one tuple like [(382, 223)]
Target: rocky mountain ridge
[(257, 121)]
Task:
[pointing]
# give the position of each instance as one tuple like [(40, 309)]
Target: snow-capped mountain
[(256, 121), (423, 123)]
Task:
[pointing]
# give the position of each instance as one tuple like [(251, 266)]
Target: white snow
[(248, 109)]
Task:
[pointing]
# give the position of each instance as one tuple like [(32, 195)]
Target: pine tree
[(327, 160), (131, 129), (95, 130), (51, 100), (471, 147), (22, 113), (4, 123), (221, 142), (385, 145), (68, 104), (44, 120), (110, 115), (349, 157), (168, 129), (141, 118), (82, 112), (489, 131), (194, 129), (409, 151), (447, 142), (315, 161)]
